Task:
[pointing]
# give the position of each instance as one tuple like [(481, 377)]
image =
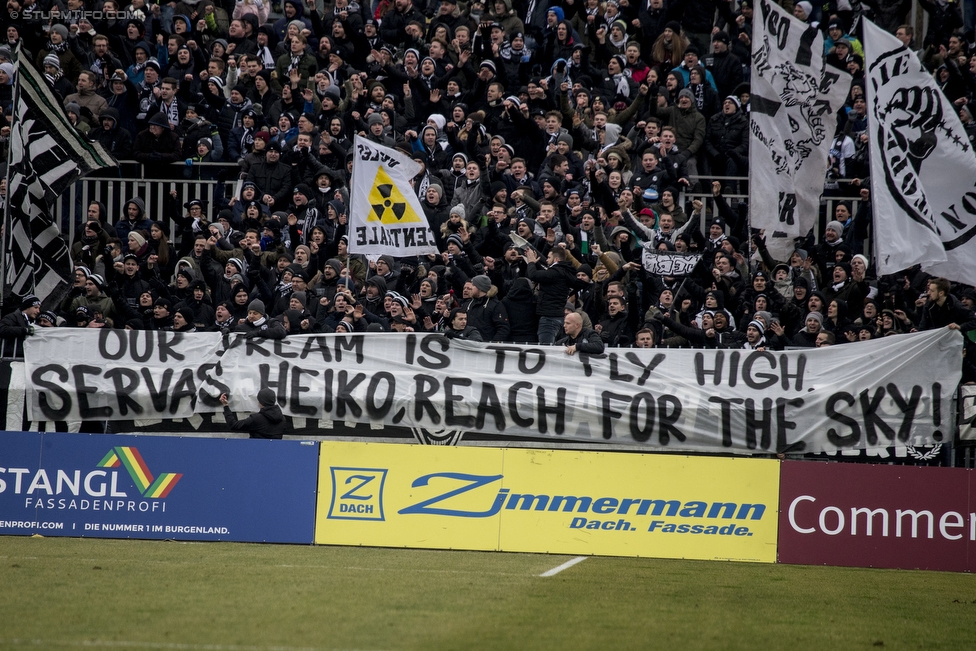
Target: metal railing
[(131, 181)]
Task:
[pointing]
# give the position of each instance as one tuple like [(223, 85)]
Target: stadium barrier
[(877, 516), (162, 488), (487, 499), (547, 501)]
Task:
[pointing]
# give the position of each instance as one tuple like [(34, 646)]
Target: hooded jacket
[(269, 423)]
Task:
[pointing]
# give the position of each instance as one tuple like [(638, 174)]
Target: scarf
[(623, 88), (59, 48), (267, 59), (699, 91), (295, 61)]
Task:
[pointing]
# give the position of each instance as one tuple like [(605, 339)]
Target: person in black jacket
[(18, 325), (269, 423), (555, 284), (579, 339)]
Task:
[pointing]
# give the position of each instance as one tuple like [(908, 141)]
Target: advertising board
[(114, 486), (554, 501), (877, 516)]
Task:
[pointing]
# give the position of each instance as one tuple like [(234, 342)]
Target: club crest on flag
[(923, 171), (385, 215)]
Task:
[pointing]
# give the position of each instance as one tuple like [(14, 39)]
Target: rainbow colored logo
[(133, 462)]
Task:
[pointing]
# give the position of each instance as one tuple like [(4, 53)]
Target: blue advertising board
[(113, 486)]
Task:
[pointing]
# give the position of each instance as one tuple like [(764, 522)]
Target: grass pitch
[(68, 593)]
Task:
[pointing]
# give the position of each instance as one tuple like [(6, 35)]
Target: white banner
[(829, 399), (793, 109), (386, 216), (667, 263), (923, 170)]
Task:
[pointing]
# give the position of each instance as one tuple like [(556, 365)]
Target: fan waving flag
[(46, 156), (793, 113), (923, 170), (386, 216)]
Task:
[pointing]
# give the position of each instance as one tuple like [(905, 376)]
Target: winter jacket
[(269, 423)]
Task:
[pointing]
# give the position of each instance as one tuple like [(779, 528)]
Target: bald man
[(578, 338)]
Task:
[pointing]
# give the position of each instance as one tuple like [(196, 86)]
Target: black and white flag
[(668, 263), (46, 156), (923, 170), (793, 109)]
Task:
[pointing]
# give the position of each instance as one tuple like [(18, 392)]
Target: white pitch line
[(565, 566)]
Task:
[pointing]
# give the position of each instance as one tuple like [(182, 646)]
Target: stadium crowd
[(576, 125)]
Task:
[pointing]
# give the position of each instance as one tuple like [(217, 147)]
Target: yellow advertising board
[(556, 501)]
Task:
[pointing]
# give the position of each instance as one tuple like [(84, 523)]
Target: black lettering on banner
[(615, 374), (787, 208), (801, 365), (158, 396), (279, 386), (523, 362), (558, 410), (648, 369), (360, 236), (835, 437), (297, 389), (513, 404), (783, 425), (726, 405), (119, 336), (350, 343), (451, 400), (185, 388), (768, 379), (609, 413), (37, 377), (410, 348), (134, 336), (252, 346), (489, 405), (873, 422), (327, 398), (344, 396), (203, 374), (279, 350), (167, 346), (79, 371), (937, 410), (642, 434), (426, 386), (777, 25), (126, 380), (500, 355), (584, 359), (378, 412), (667, 420), (907, 407), (701, 371), (759, 423), (734, 368), (437, 359), (318, 345)]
